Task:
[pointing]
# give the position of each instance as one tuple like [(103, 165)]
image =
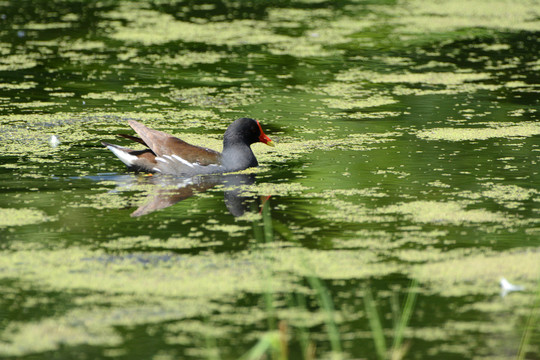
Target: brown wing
[(164, 144), (133, 138)]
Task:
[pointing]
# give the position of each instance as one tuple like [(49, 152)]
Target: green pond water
[(408, 151)]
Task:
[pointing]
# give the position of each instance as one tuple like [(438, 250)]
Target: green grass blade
[(529, 326), (268, 343), (211, 345), (405, 317), (267, 222), (323, 296), (268, 236), (326, 303), (375, 324)]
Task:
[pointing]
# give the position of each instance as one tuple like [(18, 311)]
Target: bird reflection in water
[(169, 190)]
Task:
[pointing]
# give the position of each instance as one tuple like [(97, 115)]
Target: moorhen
[(167, 154)]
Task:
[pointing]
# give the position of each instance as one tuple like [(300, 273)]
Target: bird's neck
[(237, 156)]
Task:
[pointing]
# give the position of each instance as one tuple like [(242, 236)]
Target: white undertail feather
[(123, 155)]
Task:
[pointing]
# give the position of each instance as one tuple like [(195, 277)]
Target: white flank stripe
[(161, 160), (183, 161), (126, 158), (156, 169)]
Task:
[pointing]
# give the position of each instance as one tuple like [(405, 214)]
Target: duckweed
[(150, 27), (17, 62), (457, 15), (20, 217), (495, 130), (477, 274), (443, 213)]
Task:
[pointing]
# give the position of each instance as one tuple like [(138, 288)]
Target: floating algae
[(18, 86), (352, 103), (111, 95), (443, 213), (146, 242), (183, 59), (267, 189), (151, 27), (20, 217), (479, 274), (495, 130), (182, 287), (432, 78), (455, 15), (17, 62)]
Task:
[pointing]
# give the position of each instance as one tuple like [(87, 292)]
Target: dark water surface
[(407, 148)]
